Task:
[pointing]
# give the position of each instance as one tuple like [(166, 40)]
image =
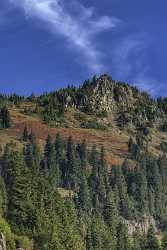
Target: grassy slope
[(113, 140)]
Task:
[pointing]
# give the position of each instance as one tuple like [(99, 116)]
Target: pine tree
[(93, 180), (82, 151), (19, 206), (59, 148), (103, 170), (97, 232), (123, 242), (84, 195), (5, 118), (152, 242), (32, 137), (110, 212), (98, 179), (118, 181), (72, 171), (136, 244), (164, 242), (25, 135), (111, 217), (48, 151), (50, 161), (89, 245), (3, 198)]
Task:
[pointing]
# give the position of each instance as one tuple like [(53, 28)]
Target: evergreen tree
[(118, 183), (82, 151), (123, 242), (97, 232), (19, 205), (98, 179), (72, 171), (5, 120), (25, 135), (164, 242), (48, 151), (84, 195), (50, 161), (152, 242), (111, 218)]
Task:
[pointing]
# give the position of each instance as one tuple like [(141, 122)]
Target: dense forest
[(65, 195)]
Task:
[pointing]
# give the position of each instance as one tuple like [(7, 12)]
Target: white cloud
[(128, 55), (130, 62), (73, 21)]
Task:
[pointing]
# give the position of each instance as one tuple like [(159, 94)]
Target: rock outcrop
[(107, 95), (2, 242), (141, 226)]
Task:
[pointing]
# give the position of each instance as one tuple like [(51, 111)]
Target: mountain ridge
[(107, 113)]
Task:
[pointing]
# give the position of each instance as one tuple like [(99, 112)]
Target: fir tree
[(123, 242), (5, 118), (164, 242), (152, 242), (25, 135)]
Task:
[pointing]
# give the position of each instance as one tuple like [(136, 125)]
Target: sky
[(48, 44)]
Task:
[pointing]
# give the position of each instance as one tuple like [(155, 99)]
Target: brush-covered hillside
[(84, 168), (101, 111)]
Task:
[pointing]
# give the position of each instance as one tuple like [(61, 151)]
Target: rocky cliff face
[(122, 99), (104, 95), (109, 95), (2, 242), (141, 226)]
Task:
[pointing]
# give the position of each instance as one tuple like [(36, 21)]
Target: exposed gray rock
[(2, 242), (141, 225)]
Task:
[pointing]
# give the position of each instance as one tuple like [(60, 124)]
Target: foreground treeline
[(64, 197)]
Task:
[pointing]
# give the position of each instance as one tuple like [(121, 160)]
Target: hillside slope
[(84, 168), (101, 111)]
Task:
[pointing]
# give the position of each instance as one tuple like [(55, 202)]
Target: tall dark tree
[(19, 204), (164, 242), (123, 242), (25, 135), (152, 242), (72, 169), (5, 119)]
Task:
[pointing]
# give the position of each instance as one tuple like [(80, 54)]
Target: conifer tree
[(25, 135), (19, 206), (118, 180), (152, 242), (123, 242), (111, 218), (82, 151), (84, 195), (48, 151), (164, 242), (5, 118), (72, 171)]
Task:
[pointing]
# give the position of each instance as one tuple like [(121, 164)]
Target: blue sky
[(47, 44)]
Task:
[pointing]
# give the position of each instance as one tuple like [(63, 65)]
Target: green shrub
[(24, 242), (163, 146), (164, 127), (5, 229), (92, 124), (103, 114)]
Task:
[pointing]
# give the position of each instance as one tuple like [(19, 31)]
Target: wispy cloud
[(130, 60), (129, 55), (76, 23)]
